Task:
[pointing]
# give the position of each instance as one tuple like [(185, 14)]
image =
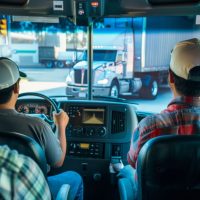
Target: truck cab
[(101, 123), (112, 62), (107, 69)]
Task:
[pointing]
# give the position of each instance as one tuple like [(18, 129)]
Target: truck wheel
[(49, 64), (150, 91), (60, 64), (153, 89), (114, 90)]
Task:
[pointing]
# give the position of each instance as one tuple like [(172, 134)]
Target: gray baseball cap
[(9, 73), (185, 59)]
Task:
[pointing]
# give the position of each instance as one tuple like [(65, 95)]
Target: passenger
[(20, 177), (54, 145), (182, 115)]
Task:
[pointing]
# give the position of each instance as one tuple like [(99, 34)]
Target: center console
[(88, 150), (97, 132), (86, 121)]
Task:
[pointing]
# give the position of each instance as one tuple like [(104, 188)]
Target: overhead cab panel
[(83, 10)]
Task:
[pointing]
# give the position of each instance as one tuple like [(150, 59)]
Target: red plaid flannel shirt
[(181, 117)]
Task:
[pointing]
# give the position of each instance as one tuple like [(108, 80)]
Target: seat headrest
[(25, 145)]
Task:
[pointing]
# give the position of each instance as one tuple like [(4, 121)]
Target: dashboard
[(97, 132), (96, 129)]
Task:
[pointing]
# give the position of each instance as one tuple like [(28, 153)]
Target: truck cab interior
[(101, 124)]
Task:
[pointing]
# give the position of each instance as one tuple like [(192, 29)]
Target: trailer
[(53, 52), (125, 61)]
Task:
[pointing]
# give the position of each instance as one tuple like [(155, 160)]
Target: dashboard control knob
[(101, 131), (97, 176)]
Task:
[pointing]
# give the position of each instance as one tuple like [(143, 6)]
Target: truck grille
[(80, 76)]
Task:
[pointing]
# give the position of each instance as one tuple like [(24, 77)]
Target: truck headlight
[(68, 79), (103, 81)]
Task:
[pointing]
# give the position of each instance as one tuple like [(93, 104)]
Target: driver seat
[(168, 167), (25, 145), (29, 147)]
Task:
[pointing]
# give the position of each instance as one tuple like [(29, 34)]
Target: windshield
[(135, 53), (102, 55)]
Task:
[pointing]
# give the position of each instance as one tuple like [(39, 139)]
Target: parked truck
[(53, 51), (129, 60)]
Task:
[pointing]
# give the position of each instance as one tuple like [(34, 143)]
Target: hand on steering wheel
[(43, 116)]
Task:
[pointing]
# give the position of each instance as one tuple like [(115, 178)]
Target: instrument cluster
[(33, 108)]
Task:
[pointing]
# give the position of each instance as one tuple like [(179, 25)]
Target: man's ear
[(16, 88)]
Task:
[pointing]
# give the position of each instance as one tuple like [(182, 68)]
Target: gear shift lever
[(115, 166)]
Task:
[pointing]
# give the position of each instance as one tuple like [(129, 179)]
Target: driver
[(54, 145)]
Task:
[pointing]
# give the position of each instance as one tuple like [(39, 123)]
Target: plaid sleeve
[(134, 148), (140, 136), (31, 183)]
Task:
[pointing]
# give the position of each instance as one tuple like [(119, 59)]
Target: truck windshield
[(102, 55), (131, 56)]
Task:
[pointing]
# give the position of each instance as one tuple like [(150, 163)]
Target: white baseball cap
[(9, 73), (185, 59)]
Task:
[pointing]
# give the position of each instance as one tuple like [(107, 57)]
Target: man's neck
[(175, 93), (7, 106), (10, 104)]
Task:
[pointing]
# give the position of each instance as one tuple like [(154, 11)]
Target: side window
[(119, 57)]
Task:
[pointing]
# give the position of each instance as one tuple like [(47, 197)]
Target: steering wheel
[(43, 116)]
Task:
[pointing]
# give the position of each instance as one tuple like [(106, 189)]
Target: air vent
[(118, 122), (172, 2)]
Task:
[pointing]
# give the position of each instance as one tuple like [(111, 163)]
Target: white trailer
[(53, 51)]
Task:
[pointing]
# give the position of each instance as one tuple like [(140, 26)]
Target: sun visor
[(61, 8), (171, 2), (13, 2)]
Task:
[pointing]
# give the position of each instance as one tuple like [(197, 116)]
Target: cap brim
[(22, 74)]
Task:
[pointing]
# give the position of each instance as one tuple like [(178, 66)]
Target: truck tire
[(60, 64), (114, 90), (49, 64), (150, 91)]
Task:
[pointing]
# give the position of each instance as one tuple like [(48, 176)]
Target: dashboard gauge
[(41, 110), (23, 109)]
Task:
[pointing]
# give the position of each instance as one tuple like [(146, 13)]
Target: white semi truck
[(125, 61)]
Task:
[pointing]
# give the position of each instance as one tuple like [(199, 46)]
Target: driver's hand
[(61, 119)]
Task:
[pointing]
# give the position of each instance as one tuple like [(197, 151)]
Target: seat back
[(25, 145), (21, 177), (169, 168)]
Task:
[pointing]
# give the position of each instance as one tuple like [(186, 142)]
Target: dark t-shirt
[(12, 121)]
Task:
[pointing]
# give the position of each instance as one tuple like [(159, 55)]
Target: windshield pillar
[(90, 59)]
